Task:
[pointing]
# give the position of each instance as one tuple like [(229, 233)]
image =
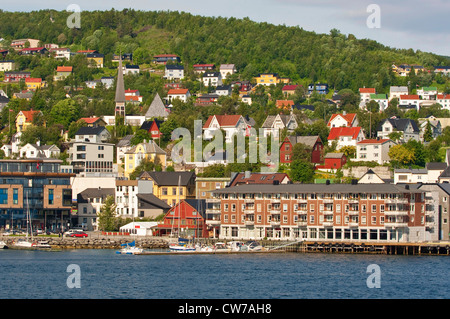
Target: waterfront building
[(126, 194), (335, 212), (90, 202), (36, 185)]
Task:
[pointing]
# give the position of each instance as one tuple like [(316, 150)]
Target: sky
[(417, 24)]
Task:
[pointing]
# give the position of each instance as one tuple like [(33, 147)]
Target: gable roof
[(258, 178), (400, 124), (29, 115), (306, 140), (224, 120), (86, 130), (157, 108), (170, 178), (336, 132), (374, 141), (147, 125), (290, 87), (270, 120), (350, 118), (409, 97), (64, 69), (150, 201), (367, 90), (178, 91), (149, 148)]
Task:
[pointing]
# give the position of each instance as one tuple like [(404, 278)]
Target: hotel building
[(335, 212)]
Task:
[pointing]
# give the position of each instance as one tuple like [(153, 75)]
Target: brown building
[(335, 212)]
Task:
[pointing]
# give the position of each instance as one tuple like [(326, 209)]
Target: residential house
[(381, 99), (284, 104), (211, 78), (25, 119), (243, 86), (252, 178), (409, 101), (16, 76), (164, 58), (144, 151), (343, 120), (267, 79), (370, 177), (428, 92), (39, 151), (95, 59), (130, 69), (150, 206), (94, 121), (428, 175), (375, 150), (204, 186), (444, 100), (231, 124), (61, 53), (206, 99), (445, 70), (223, 90), (22, 43), (314, 143), (152, 127), (181, 94), (247, 99), (227, 69), (34, 83), (62, 72), (276, 123), (407, 127), (335, 212), (365, 96), (98, 134), (9, 65), (27, 95), (174, 72), (345, 136), (435, 126), (123, 146), (123, 57), (185, 219), (396, 91), (33, 51), (157, 109), (333, 161), (289, 89), (320, 88), (171, 187), (4, 100), (201, 68), (89, 203), (126, 196)]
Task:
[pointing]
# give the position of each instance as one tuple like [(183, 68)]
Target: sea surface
[(103, 274)]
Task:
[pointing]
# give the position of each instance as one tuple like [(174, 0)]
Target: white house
[(174, 72), (92, 134), (223, 90), (409, 101), (427, 175), (364, 94), (276, 123), (444, 100), (37, 150), (126, 192), (397, 91), (227, 69), (139, 228), (381, 99), (231, 124), (345, 136), (7, 66), (407, 127), (212, 78), (427, 92), (343, 120), (181, 94), (374, 150)]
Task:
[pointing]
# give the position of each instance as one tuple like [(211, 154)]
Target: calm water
[(105, 275)]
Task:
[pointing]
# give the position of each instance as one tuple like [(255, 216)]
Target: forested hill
[(340, 60)]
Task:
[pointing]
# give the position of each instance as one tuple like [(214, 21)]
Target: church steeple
[(120, 91)]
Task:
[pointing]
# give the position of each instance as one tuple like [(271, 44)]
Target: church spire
[(120, 91)]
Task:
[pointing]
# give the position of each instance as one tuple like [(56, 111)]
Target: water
[(106, 275)]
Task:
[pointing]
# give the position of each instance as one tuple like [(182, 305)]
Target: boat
[(253, 246), (182, 245), (3, 245), (130, 249)]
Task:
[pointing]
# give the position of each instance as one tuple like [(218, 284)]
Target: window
[(15, 196), (164, 191), (50, 197), (3, 196)]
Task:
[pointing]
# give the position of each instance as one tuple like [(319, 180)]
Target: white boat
[(3, 245), (253, 246), (130, 249), (182, 245)]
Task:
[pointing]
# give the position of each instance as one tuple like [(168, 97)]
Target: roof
[(171, 178), (436, 166), (147, 125), (373, 141), (409, 97), (400, 124), (350, 118), (282, 103), (86, 130), (334, 155), (150, 201), (336, 132), (367, 90), (306, 140), (223, 120), (95, 193), (90, 120), (29, 114), (178, 91), (120, 86), (398, 89), (64, 69), (317, 188), (258, 178), (285, 118), (378, 96), (39, 80), (149, 148), (291, 87), (174, 67), (125, 141), (157, 108)]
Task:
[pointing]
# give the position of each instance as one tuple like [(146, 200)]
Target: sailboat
[(27, 243), (130, 249)]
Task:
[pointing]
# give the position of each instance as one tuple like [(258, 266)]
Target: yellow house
[(34, 83), (267, 79), (149, 150), (96, 58), (25, 119), (172, 187)]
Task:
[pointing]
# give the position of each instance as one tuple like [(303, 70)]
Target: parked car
[(78, 234)]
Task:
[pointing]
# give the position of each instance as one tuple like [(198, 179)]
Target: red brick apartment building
[(335, 212)]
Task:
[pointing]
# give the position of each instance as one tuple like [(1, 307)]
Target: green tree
[(107, 220), (428, 134), (302, 171)]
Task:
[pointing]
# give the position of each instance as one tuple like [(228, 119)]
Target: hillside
[(341, 61)]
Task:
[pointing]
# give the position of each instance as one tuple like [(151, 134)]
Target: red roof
[(283, 103), (29, 114), (33, 49), (290, 87), (443, 97), (90, 120), (409, 97), (33, 80), (64, 69), (337, 132), (178, 91), (132, 98), (131, 91), (367, 90), (86, 51), (223, 120), (373, 141), (258, 178), (350, 117)]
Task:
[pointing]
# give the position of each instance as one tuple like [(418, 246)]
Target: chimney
[(247, 174)]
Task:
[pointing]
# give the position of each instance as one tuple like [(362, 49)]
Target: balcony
[(213, 211), (213, 200), (328, 213), (353, 224), (302, 200), (275, 200), (249, 211), (396, 201), (249, 200), (396, 213), (328, 223), (249, 223), (353, 212), (213, 222), (396, 224), (275, 223), (302, 223), (301, 212), (353, 201)]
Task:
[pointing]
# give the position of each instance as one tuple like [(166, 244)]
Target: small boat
[(130, 249), (253, 246), (3, 245), (182, 245)]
